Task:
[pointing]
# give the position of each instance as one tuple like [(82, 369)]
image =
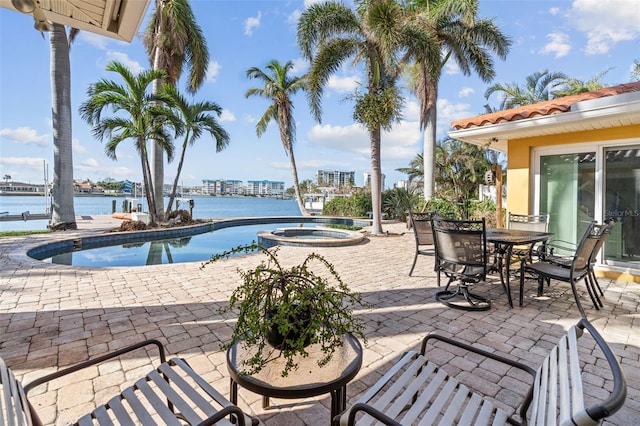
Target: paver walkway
[(54, 315)]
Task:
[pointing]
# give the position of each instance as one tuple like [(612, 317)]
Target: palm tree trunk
[(157, 157), (174, 188), (296, 184), (63, 213), (376, 182), (148, 189), (429, 144)]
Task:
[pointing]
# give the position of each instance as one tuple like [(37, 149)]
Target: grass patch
[(21, 233), (343, 226)]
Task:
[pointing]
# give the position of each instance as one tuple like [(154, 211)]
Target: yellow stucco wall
[(519, 160)]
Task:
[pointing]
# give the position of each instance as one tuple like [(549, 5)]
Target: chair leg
[(577, 299), (595, 280), (415, 259), (592, 290)]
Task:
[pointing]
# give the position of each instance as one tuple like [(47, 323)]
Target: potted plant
[(286, 309)]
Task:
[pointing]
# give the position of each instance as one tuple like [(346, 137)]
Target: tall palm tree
[(415, 171), (278, 87), (330, 34), (174, 39), (196, 120), (138, 114), (62, 212), (459, 34), (635, 70), (539, 86)]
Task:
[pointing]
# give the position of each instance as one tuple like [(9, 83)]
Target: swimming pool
[(174, 245)]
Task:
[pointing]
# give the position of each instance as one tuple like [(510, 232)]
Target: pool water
[(192, 248)]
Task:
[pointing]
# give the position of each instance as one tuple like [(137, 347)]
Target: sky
[(581, 38)]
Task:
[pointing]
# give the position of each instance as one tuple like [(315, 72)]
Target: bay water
[(205, 207)]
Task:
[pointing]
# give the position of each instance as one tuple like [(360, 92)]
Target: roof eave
[(495, 136)]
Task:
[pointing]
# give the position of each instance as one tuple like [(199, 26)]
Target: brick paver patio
[(53, 315)]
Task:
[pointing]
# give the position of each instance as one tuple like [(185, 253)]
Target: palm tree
[(6, 178), (539, 86), (415, 171), (329, 34), (279, 87), (62, 213), (635, 70), (459, 35), (138, 115), (174, 39), (195, 120), (574, 86)]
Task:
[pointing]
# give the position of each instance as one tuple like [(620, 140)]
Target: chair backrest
[(557, 395), (421, 224), (14, 407), (461, 243), (529, 222), (605, 231), (588, 247)]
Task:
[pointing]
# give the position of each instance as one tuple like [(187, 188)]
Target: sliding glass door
[(581, 183), (567, 192), (622, 189)]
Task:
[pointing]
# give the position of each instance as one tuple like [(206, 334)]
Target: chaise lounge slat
[(405, 397), (171, 394)]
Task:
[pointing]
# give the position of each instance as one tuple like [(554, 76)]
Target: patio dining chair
[(526, 222), (171, 394), (423, 234), (573, 268), (461, 255)]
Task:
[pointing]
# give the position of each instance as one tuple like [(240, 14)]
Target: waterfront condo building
[(265, 187), (335, 178)]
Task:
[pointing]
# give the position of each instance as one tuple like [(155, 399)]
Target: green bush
[(355, 206)]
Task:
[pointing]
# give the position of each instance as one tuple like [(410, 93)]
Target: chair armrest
[(361, 406), (95, 361)]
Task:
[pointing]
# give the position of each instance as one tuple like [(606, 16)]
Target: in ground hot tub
[(309, 237)]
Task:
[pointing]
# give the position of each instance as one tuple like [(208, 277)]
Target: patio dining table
[(504, 241)]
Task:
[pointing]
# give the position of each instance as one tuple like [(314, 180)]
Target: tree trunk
[(174, 188), (62, 213), (376, 182), (157, 153), (296, 184), (429, 147)]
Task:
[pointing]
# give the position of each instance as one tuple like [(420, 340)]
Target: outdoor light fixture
[(24, 6), (30, 7)]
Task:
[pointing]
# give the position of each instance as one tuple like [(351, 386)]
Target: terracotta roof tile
[(555, 106)]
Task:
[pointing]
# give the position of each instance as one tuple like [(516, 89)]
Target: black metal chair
[(461, 254), (570, 269), (421, 225), (527, 222)]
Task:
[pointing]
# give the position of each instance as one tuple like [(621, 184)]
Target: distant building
[(265, 187), (20, 187), (335, 178), (222, 187), (367, 180)]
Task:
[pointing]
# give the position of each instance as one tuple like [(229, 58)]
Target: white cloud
[(91, 163), (554, 10), (250, 119), (78, 147), (411, 111), (133, 65), (21, 163), (251, 23), (308, 3), (294, 17), (352, 138), (227, 116), (448, 112), (300, 66), (343, 84), (466, 91), (212, 71), (26, 136), (605, 22), (94, 39), (559, 45), (451, 68)]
